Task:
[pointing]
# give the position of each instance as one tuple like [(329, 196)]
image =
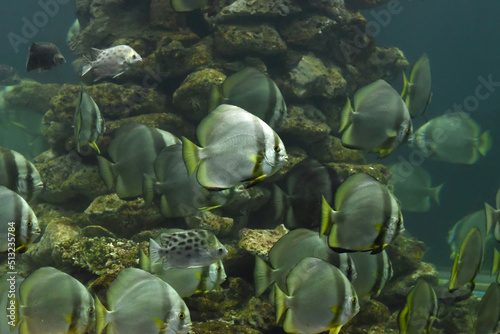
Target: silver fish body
[(16, 218), (362, 204), (283, 257), (254, 91), (468, 260), (453, 137), (187, 249), (417, 90), (420, 309), (112, 62), (378, 121), (140, 302), (19, 174), (374, 270), (319, 298), (237, 148), (88, 122), (54, 302), (9, 287), (133, 151)]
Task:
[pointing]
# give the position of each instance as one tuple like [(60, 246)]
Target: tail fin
[(490, 217), (406, 86), (485, 143), (326, 221), (154, 249), (190, 155), (279, 302), (87, 66), (435, 193), (148, 189), (215, 99), (345, 117), (108, 174), (262, 276), (101, 312)]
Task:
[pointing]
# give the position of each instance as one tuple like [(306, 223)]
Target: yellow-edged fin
[(214, 99), (451, 286), (403, 319), (490, 214), (345, 116), (496, 262), (335, 330), (95, 147), (209, 208), (23, 327), (144, 262), (190, 155), (256, 180), (326, 214), (262, 276), (22, 249), (384, 153), (485, 142), (434, 193), (160, 324), (187, 6), (332, 237), (279, 303), (106, 169), (101, 312), (68, 318), (406, 85)]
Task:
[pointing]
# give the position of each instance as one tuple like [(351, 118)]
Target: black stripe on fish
[(271, 101), (30, 184), (11, 169), (386, 220), (18, 215), (260, 137), (75, 312)]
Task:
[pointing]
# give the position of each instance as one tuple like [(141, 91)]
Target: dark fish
[(43, 56), (8, 76)]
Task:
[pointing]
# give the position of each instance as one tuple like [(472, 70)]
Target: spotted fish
[(111, 62)]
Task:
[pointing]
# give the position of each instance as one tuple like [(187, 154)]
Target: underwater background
[(460, 38)]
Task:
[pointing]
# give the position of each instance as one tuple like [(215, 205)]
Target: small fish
[(73, 30), (140, 302), (18, 174), (320, 298), (413, 188), (374, 270), (420, 309), (363, 204), (111, 62), (9, 301), (237, 148), (306, 182), (54, 302), (252, 90), (186, 249), (283, 257), (88, 122), (16, 217), (133, 151), (468, 261), (488, 315), (8, 76), (493, 217), (181, 194), (380, 121), (187, 281), (43, 56), (188, 5), (417, 91), (453, 137)]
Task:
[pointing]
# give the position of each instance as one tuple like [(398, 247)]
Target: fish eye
[(29, 224), (91, 310), (220, 250), (182, 316), (134, 56), (354, 301), (277, 148)]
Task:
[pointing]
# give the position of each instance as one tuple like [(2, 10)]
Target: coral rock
[(258, 9), (259, 242), (31, 95), (304, 124)]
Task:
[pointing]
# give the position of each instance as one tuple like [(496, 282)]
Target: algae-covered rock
[(330, 149), (344, 170), (31, 95), (124, 218), (99, 256), (313, 77), (258, 9), (45, 252), (161, 14), (304, 124), (191, 98), (209, 221), (66, 178), (371, 318), (259, 242), (248, 39)]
